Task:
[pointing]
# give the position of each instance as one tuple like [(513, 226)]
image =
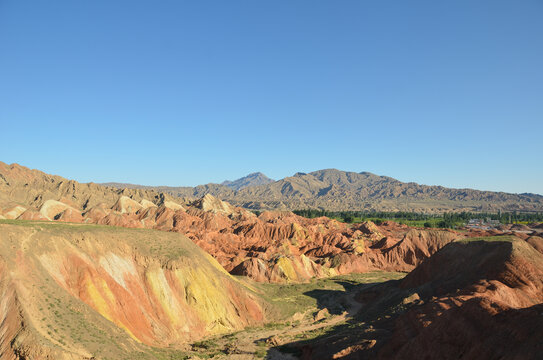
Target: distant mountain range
[(336, 190), (328, 189)]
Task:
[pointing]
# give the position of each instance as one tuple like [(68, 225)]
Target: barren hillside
[(337, 190)]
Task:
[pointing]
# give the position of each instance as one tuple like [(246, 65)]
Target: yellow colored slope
[(76, 284)]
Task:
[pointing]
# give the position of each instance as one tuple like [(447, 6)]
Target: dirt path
[(353, 307)]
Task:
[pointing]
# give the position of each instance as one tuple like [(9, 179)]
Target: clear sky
[(190, 92)]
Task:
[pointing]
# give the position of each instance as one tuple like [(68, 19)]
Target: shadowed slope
[(474, 299), (482, 297)]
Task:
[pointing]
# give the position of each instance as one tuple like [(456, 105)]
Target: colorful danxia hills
[(280, 180), (94, 271)]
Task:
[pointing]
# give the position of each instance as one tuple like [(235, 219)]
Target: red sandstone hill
[(480, 298)]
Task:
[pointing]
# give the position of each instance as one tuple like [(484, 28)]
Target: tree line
[(444, 220)]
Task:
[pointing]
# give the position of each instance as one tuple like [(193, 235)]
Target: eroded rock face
[(283, 247), (536, 242), (14, 212), (282, 269), (210, 203), (60, 283), (275, 246)]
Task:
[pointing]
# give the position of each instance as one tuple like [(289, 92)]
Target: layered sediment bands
[(283, 247), (503, 267), (156, 303), (275, 246), (282, 269), (143, 287), (415, 246)]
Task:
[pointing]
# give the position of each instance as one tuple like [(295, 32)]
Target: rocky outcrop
[(214, 205), (282, 269), (536, 242), (56, 210), (126, 205), (14, 212), (416, 246)]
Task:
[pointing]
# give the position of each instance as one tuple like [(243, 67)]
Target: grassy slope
[(63, 322), (292, 298)]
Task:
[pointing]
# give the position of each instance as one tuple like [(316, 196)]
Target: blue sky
[(190, 92)]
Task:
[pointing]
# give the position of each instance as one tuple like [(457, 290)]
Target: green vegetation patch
[(445, 220), (289, 299)]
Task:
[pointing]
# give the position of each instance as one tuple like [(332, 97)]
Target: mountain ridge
[(328, 189), (336, 190), (253, 179)]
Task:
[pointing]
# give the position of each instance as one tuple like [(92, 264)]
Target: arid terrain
[(337, 190), (280, 180), (89, 271)]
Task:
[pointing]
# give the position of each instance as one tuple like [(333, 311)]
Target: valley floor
[(304, 311)]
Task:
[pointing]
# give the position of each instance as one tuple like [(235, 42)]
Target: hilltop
[(253, 179)]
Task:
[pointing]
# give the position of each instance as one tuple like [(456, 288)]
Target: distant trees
[(348, 219), (445, 220)]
